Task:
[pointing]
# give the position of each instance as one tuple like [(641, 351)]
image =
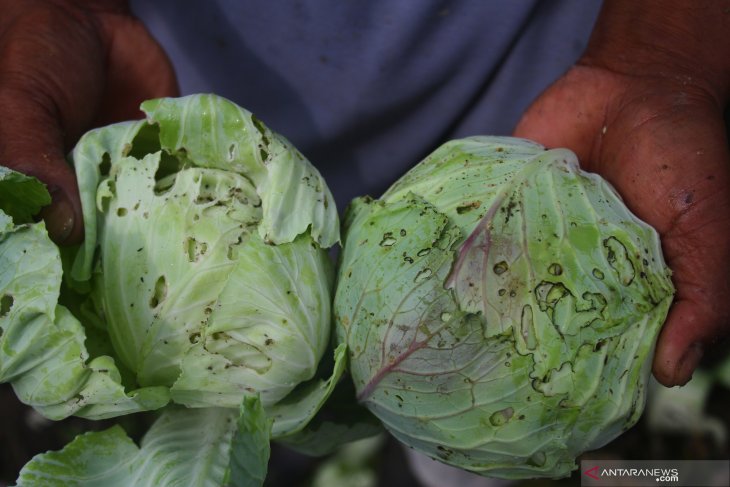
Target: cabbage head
[(500, 307), (203, 289), (203, 277)]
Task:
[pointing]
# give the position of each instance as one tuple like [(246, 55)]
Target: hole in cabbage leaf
[(191, 244), (500, 267), (555, 269), (388, 240), (422, 275), (195, 249), (106, 165), (209, 189), (537, 459), (501, 417), (232, 252), (107, 191), (146, 142), (159, 292), (121, 211), (6, 302), (617, 256), (168, 166), (264, 145), (166, 173)]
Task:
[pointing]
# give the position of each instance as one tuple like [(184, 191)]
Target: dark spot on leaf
[(6, 302), (466, 207)]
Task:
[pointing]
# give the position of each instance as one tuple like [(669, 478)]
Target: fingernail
[(59, 219), (688, 363)]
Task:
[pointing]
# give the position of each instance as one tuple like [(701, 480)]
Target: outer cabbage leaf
[(184, 447), (501, 308), (21, 196), (250, 450), (341, 420), (294, 412)]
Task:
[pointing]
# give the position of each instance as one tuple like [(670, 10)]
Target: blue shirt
[(366, 89)]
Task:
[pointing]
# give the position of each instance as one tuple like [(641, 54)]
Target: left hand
[(67, 66), (659, 137)]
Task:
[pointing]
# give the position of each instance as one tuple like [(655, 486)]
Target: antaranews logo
[(676, 473), (663, 475)]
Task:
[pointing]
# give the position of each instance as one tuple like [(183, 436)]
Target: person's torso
[(367, 89)]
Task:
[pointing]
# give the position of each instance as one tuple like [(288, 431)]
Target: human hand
[(66, 66), (651, 122)]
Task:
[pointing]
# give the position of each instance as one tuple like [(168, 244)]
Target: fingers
[(569, 115), (672, 165), (33, 145), (64, 68), (137, 69), (683, 341), (51, 66), (697, 247), (661, 143), (31, 142)]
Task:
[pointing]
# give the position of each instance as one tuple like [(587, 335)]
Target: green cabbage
[(204, 280), (213, 279), (500, 307)]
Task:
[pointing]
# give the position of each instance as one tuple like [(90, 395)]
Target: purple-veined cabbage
[(500, 307)]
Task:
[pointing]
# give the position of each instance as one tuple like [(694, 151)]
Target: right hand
[(65, 67), (644, 108)]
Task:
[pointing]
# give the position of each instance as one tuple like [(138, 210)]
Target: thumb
[(51, 68), (32, 143)]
